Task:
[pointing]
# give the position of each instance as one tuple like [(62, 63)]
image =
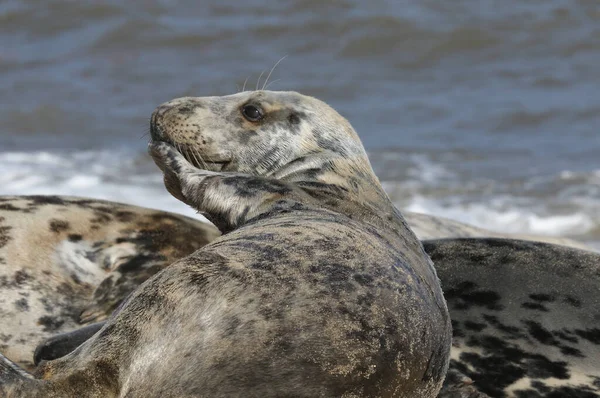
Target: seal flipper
[(13, 379), (60, 345)]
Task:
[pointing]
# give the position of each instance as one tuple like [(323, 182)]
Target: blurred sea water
[(483, 111)]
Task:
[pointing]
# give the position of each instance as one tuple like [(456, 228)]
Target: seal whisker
[(272, 69), (258, 81), (244, 86), (274, 81), (199, 159)]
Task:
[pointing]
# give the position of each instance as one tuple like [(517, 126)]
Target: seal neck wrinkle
[(335, 180)]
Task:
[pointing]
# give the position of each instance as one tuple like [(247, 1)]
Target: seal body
[(317, 287), (426, 226), (525, 316), (67, 261)]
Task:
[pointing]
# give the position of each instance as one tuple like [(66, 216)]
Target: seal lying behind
[(318, 287), (64, 256), (525, 316), (426, 226)]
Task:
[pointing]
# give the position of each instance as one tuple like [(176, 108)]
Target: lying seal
[(426, 226), (318, 287), (525, 316), (68, 261)]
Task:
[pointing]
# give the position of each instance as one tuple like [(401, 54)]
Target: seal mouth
[(194, 157)]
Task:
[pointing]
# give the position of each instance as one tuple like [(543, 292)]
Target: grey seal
[(316, 288), (68, 261), (427, 226)]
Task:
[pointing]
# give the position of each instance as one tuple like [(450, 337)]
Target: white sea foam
[(512, 220), (109, 175)]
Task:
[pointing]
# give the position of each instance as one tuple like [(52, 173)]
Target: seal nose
[(157, 117), (183, 106), (155, 132)]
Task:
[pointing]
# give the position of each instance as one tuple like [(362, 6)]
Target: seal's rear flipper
[(13, 379), (60, 345)]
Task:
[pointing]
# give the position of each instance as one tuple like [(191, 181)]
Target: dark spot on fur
[(477, 327), (363, 279), (293, 118), (186, 110), (537, 331), (45, 200), (22, 305), (534, 306), (252, 186), (570, 351), (75, 237), (575, 302), (465, 296), (50, 324), (456, 330), (513, 331), (21, 277), (58, 226), (10, 207), (566, 335), (135, 263), (502, 363), (75, 279), (125, 216), (4, 236), (542, 297), (591, 335), (245, 136)]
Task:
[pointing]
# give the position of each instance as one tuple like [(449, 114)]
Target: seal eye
[(252, 113)]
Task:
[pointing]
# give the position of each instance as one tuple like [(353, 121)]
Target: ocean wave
[(500, 216), (96, 174)]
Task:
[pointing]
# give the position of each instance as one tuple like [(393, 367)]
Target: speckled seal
[(427, 226), (317, 288), (525, 316), (67, 261)]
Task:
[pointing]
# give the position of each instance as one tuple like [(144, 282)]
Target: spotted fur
[(525, 316), (67, 261), (317, 288)]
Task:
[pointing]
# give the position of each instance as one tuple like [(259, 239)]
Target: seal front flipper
[(64, 343), (254, 195)]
